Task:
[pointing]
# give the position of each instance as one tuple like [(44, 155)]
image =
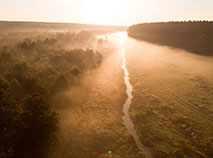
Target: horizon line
[(107, 25), (60, 22)]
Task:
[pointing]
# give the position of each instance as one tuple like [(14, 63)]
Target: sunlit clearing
[(103, 11), (120, 37)]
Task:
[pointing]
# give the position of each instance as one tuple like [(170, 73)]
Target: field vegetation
[(172, 100)]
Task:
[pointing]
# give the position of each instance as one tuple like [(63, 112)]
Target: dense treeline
[(32, 71), (61, 39), (40, 65), (194, 36)]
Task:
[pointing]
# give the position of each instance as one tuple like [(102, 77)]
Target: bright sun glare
[(103, 11)]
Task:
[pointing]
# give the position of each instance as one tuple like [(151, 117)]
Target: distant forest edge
[(193, 36), (18, 26)]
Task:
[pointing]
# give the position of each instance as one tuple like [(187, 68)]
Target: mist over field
[(172, 99), (107, 79)]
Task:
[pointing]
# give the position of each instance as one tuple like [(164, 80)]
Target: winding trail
[(126, 118)]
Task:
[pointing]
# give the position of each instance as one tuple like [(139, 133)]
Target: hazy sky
[(111, 12)]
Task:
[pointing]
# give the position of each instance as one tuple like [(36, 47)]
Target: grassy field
[(172, 100), (93, 125)]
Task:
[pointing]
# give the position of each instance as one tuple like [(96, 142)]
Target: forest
[(193, 36), (34, 69)]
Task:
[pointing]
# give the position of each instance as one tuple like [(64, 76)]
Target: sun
[(103, 11)]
